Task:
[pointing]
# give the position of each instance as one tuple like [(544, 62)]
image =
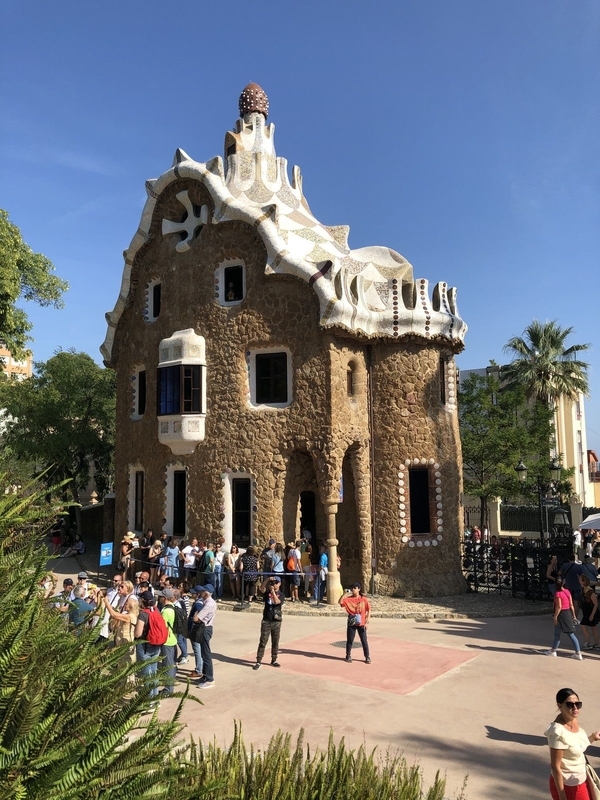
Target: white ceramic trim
[(226, 524), (251, 377)]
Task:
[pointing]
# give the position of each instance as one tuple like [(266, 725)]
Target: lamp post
[(542, 488)]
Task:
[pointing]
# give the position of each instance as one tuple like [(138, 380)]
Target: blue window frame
[(179, 390)]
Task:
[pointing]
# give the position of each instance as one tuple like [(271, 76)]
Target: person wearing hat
[(205, 617), (271, 620), (126, 559), (358, 608)]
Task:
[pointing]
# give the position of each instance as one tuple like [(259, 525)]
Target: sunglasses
[(572, 706)]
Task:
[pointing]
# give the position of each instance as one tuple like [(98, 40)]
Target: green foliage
[(497, 428), (543, 366), (63, 418), (299, 774), (70, 724), (27, 275)]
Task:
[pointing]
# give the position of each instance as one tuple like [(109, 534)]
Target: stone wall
[(307, 446), (414, 429)]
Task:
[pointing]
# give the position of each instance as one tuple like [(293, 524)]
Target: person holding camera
[(271, 621), (358, 608)]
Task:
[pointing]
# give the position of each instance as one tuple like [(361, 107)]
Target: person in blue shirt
[(79, 610), (321, 582), (570, 573)]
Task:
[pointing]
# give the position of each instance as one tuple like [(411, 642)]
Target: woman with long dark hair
[(568, 743), (564, 619)]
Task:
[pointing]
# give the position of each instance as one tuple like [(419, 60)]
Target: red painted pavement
[(399, 667)]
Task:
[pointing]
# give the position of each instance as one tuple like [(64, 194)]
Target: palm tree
[(544, 366)]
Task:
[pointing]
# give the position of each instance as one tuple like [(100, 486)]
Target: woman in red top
[(358, 609), (564, 619)]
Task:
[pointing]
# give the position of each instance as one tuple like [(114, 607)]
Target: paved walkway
[(463, 696), (458, 684)]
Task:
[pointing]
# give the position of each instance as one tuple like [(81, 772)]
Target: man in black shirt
[(271, 621)]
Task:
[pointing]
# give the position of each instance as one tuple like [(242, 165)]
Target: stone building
[(269, 378)]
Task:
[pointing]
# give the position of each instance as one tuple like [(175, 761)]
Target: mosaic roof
[(370, 292)]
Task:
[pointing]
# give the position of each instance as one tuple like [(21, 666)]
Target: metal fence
[(512, 566)]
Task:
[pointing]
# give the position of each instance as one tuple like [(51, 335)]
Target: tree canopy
[(497, 428), (23, 275), (543, 366), (63, 419)]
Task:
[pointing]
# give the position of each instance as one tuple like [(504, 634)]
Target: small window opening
[(139, 501), (240, 491), (179, 502), (350, 381), (234, 283), (156, 298), (418, 480), (141, 393)]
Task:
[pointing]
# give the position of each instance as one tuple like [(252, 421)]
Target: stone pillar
[(334, 586), (576, 510), (494, 512)]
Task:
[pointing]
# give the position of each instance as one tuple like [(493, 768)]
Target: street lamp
[(542, 488)]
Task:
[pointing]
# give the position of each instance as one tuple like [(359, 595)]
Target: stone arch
[(301, 478)]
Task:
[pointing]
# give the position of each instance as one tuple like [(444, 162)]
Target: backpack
[(180, 626), (291, 564), (157, 628)]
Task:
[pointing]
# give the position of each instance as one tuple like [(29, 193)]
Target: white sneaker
[(183, 660), (549, 653), (577, 656)]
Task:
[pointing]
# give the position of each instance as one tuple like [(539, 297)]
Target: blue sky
[(461, 133)]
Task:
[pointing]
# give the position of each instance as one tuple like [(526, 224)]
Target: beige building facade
[(14, 368), (271, 379)]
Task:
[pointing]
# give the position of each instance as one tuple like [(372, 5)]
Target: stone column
[(576, 510), (494, 512), (334, 586)]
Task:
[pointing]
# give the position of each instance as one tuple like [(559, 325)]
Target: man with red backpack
[(151, 634)]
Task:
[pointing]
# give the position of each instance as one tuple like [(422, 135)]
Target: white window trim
[(135, 377), (227, 522), (170, 496), (251, 389), (133, 468), (149, 289), (220, 287)]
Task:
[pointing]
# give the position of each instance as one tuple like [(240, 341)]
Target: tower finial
[(253, 98)]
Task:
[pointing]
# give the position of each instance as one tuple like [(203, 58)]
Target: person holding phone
[(358, 608), (271, 621)]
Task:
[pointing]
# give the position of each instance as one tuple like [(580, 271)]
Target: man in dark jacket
[(271, 621)]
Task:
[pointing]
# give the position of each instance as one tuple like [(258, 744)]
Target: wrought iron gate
[(512, 566)]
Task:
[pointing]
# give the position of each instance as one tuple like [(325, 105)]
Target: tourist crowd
[(167, 610)]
